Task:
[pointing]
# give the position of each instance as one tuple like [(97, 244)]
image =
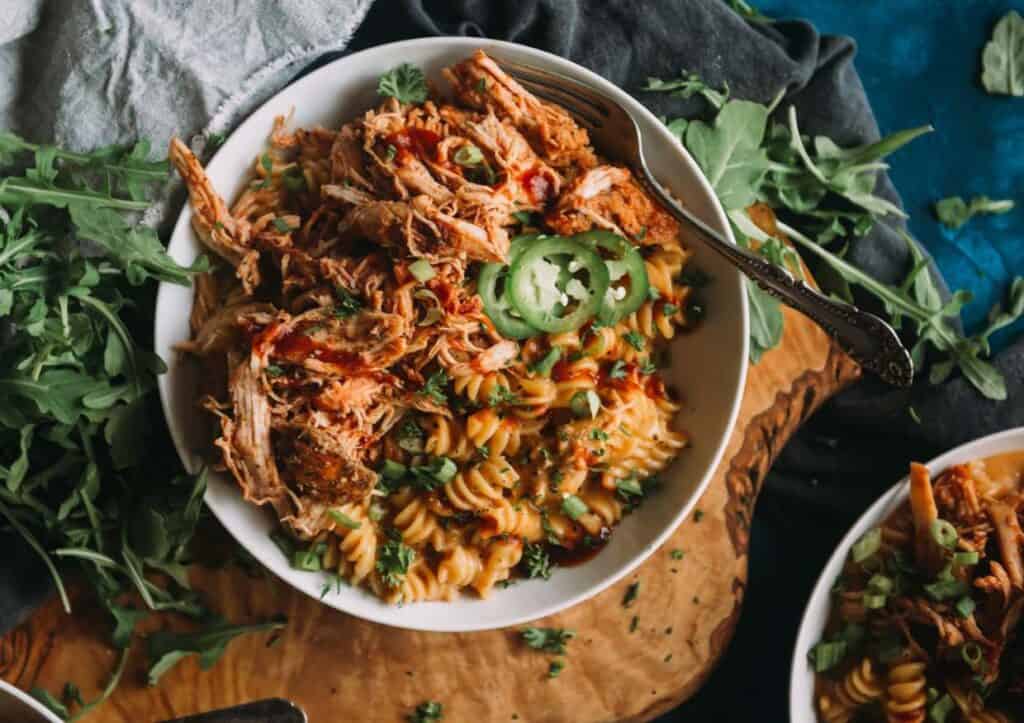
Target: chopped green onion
[(881, 584), (944, 534), (468, 155), (443, 469), (946, 589), (545, 365), (308, 560), (630, 486), (965, 559), (422, 270), (574, 507), (344, 520), (972, 654), (941, 708), (873, 601), (868, 545), (965, 607), (393, 470), (585, 404), (890, 651), (826, 655)]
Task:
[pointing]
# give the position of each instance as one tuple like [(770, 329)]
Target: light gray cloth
[(85, 74)]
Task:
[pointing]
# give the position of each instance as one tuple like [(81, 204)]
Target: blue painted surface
[(920, 61)]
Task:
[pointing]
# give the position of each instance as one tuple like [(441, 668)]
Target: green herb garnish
[(434, 388), (954, 212), (405, 82), (550, 640)]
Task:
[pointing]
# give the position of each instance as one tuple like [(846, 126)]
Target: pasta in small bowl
[(444, 346), (916, 615)]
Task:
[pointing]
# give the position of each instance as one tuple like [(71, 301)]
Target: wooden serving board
[(340, 668)]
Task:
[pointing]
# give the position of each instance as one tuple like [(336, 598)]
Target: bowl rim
[(718, 220), (812, 622), (28, 701)]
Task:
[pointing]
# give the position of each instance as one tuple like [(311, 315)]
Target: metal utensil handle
[(865, 337)]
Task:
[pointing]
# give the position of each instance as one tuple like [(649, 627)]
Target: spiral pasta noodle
[(905, 694)]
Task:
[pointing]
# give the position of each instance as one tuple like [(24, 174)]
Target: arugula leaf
[(918, 301), (166, 648), (405, 82), (688, 85), (766, 321), (954, 212), (746, 10), (729, 151), (1003, 57)]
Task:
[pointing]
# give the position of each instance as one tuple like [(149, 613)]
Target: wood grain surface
[(340, 668)]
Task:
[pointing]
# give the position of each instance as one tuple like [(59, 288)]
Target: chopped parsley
[(598, 435), (405, 82), (267, 162), (669, 309), (429, 712), (294, 180), (394, 559), (631, 594), (481, 85), (438, 472), (536, 561), (676, 554), (635, 339), (390, 152), (282, 226), (501, 395), (274, 370), (214, 141), (434, 387), (698, 515), (550, 640), (484, 451), (410, 437), (556, 668), (345, 304), (618, 370), (633, 623)]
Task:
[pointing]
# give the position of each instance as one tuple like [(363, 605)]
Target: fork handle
[(865, 337)]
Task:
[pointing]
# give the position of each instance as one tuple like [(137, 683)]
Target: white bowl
[(801, 680), (709, 368)]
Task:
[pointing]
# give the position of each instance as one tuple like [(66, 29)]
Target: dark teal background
[(920, 61)]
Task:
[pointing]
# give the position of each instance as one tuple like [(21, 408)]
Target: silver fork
[(613, 130)]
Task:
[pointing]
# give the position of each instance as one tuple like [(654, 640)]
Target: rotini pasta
[(383, 395)]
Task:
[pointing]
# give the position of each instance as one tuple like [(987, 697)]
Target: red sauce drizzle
[(297, 346), (415, 141), (563, 371), (536, 185)]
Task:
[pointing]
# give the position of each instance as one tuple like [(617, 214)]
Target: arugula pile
[(823, 196), (84, 456)]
